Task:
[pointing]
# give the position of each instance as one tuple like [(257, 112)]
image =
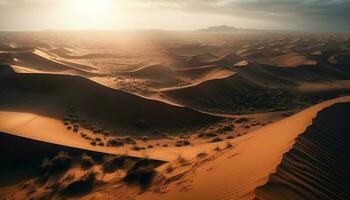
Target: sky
[(308, 15)]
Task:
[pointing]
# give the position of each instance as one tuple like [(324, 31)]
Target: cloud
[(276, 14), (319, 14)]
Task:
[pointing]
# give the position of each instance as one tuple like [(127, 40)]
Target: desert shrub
[(81, 186), (207, 135), (142, 173), (86, 161), (201, 154), (230, 137), (106, 133), (129, 140), (180, 143), (165, 145), (97, 139), (184, 136), (76, 130), (82, 134), (166, 135), (115, 143), (180, 159), (227, 128), (145, 138), (216, 140), (89, 138), (169, 168), (112, 163), (138, 148), (93, 143), (101, 144), (242, 120), (61, 162), (228, 145), (150, 146), (69, 127)]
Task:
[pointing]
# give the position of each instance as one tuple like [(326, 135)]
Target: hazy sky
[(174, 14)]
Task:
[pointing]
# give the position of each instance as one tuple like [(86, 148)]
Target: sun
[(92, 7), (91, 14)]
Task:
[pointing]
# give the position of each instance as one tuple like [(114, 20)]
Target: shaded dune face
[(277, 88), (317, 167), (56, 92)]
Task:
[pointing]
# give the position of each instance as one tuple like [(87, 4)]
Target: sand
[(237, 172), (221, 114)]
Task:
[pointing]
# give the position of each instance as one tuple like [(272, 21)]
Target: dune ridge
[(237, 172), (317, 166), (112, 106)]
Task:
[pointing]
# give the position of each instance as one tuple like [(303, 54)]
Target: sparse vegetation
[(180, 159), (112, 163), (82, 186), (230, 137), (202, 154), (216, 140), (228, 145), (180, 143), (142, 173), (169, 168), (242, 120), (145, 138), (115, 143), (227, 128), (86, 161), (137, 148), (207, 135), (61, 162)]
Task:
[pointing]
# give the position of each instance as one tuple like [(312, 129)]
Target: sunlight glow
[(92, 7), (94, 13)]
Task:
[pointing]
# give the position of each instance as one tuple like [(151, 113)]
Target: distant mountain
[(224, 28)]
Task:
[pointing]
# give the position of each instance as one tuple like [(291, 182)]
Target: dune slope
[(51, 95), (317, 166), (236, 172)]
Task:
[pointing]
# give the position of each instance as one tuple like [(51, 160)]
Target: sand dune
[(165, 78), (289, 60), (200, 75), (287, 84), (199, 60), (37, 63), (205, 106), (317, 166), (223, 95), (235, 173), (110, 105)]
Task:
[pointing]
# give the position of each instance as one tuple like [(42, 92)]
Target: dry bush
[(60, 163), (180, 143), (115, 143), (142, 174), (86, 161), (202, 155), (216, 140), (112, 163), (82, 186)]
